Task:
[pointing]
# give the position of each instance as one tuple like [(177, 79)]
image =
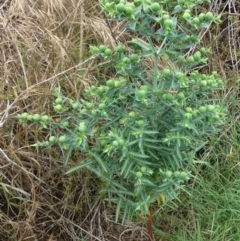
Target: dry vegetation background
[(44, 44)]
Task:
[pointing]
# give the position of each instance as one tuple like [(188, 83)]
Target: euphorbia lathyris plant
[(140, 131)]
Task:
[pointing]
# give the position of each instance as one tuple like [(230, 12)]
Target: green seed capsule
[(52, 139), (59, 100), (196, 21), (140, 123), (36, 117), (132, 114), (203, 83), (45, 118), (24, 116), (142, 93), (168, 23), (128, 11), (168, 174), (120, 7), (155, 7), (62, 139), (190, 59), (108, 52), (139, 174), (183, 175), (29, 117), (202, 109), (58, 107)]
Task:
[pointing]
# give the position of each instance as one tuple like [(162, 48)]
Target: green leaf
[(79, 166), (143, 45), (153, 155), (99, 160), (68, 154), (138, 155), (132, 24), (125, 169), (118, 209)]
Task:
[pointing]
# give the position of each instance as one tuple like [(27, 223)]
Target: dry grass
[(44, 44)]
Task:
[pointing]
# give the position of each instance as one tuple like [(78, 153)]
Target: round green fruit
[(179, 75), (188, 116), (137, 3), (169, 97), (186, 15), (52, 139), (65, 124), (58, 107), (132, 114), (82, 127), (197, 56), (211, 108), (143, 169), (45, 118), (190, 59), (140, 123), (183, 175), (128, 11), (89, 105), (102, 106), (120, 48), (143, 87), (139, 174), (166, 72), (181, 59), (209, 16), (29, 117), (189, 110), (75, 105), (110, 83), (123, 81), (176, 174), (84, 111), (117, 83), (62, 139), (115, 143), (168, 23), (121, 142), (102, 48), (203, 83), (201, 17), (101, 89), (108, 52), (203, 50), (126, 60), (148, 2), (202, 109), (36, 117), (134, 57), (168, 174), (196, 21), (195, 113), (155, 7), (120, 7), (24, 116), (181, 96), (59, 100), (142, 93), (94, 112)]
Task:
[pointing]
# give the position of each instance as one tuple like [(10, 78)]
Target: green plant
[(140, 131)]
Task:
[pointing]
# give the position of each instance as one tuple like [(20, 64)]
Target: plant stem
[(149, 225)]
